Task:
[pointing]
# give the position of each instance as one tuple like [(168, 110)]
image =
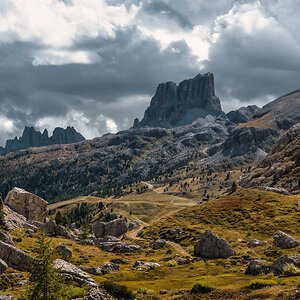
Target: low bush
[(75, 292), (118, 290), (202, 287), (291, 270), (171, 263), (261, 283)]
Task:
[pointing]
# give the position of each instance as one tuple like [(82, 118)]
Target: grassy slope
[(238, 217)]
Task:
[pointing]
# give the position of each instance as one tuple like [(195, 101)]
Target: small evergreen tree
[(44, 279), (2, 221), (233, 187)]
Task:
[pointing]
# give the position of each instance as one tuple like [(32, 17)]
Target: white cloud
[(57, 25)]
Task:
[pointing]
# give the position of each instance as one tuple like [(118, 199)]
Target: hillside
[(280, 170)]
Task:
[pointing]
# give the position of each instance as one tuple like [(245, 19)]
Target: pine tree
[(44, 279), (2, 221), (233, 187)]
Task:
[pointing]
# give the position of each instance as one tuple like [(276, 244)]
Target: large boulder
[(27, 204), (157, 244), (53, 229), (284, 241), (6, 238), (114, 228), (64, 250), (212, 246), (256, 267), (279, 263), (3, 266), (73, 273), (14, 257)]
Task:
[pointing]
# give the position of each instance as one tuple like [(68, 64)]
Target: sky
[(95, 64)]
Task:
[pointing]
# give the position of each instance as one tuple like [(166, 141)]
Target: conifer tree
[(44, 279), (2, 221)]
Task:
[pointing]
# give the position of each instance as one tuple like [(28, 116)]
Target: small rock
[(256, 243), (119, 247), (183, 261), (157, 244), (255, 267), (6, 298), (148, 265), (30, 231), (163, 292), (284, 241), (120, 261), (64, 250), (135, 224)]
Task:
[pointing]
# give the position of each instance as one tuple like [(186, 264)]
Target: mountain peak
[(175, 105)]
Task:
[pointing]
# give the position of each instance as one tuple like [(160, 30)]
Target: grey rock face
[(32, 138), (135, 224), (96, 294), (279, 263), (256, 267), (64, 250), (243, 114), (14, 257), (5, 238), (284, 241), (256, 243), (212, 246), (27, 204), (247, 140), (73, 273), (3, 266), (113, 228), (174, 105)]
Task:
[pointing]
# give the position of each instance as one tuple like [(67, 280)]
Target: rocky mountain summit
[(180, 105), (33, 138)]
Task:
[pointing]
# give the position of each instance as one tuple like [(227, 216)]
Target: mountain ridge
[(32, 138)]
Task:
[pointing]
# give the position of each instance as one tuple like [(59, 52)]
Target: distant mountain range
[(32, 138), (183, 126)]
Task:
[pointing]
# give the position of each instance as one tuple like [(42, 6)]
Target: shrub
[(233, 187), (171, 263), (261, 283), (202, 287), (291, 270), (118, 290), (76, 292), (144, 291)]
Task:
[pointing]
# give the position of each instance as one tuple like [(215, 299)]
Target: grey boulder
[(279, 263), (256, 243), (256, 267), (6, 238), (114, 228), (64, 250), (284, 241), (212, 246)]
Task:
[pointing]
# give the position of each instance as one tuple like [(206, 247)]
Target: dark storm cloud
[(130, 64)]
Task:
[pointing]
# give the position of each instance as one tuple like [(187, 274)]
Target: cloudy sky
[(95, 64)]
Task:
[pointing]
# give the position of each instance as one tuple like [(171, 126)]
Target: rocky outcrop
[(32, 138), (53, 229), (157, 244), (256, 267), (14, 257), (174, 105), (119, 247), (279, 263), (284, 241), (27, 204), (97, 294), (73, 273), (113, 228), (243, 114), (212, 246), (102, 270), (256, 243), (279, 171), (248, 140)]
